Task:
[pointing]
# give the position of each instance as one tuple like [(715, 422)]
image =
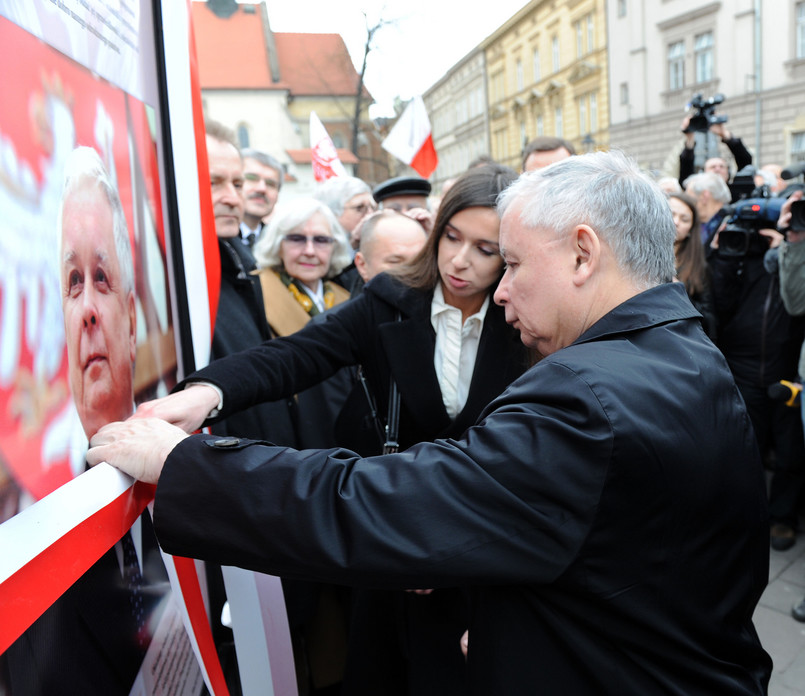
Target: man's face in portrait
[(99, 314)]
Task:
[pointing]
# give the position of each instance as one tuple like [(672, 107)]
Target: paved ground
[(784, 638)]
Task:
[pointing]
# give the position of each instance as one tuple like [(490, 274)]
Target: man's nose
[(501, 295), (231, 195), (89, 310)]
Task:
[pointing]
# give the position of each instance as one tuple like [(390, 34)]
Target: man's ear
[(587, 248), (132, 310), (360, 266)]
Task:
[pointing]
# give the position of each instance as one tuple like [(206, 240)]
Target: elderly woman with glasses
[(303, 247)]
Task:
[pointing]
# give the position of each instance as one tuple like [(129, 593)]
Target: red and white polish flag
[(411, 141), (323, 155)]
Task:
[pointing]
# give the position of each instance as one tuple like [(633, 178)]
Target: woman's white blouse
[(456, 349)]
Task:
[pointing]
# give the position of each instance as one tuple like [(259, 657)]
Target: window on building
[(501, 151), (593, 112), (798, 147), (624, 93), (243, 135), (590, 33), (582, 109), (338, 140), (535, 60), (579, 39), (621, 8), (558, 125), (676, 65), (518, 71), (462, 111), (800, 29), (497, 86), (555, 53), (523, 134), (703, 48), (540, 125)]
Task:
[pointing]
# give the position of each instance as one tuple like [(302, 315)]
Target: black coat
[(760, 340), (609, 509), (240, 324), (364, 331)]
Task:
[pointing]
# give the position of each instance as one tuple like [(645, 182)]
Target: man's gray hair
[(267, 161), (708, 181), (337, 191), (608, 192), (288, 218), (84, 168)]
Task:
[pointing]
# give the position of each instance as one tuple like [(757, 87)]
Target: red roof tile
[(231, 52), (232, 55), (316, 64)]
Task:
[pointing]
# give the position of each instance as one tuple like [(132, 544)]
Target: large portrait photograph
[(86, 333)]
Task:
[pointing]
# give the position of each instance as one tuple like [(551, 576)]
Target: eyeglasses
[(363, 208), (254, 178), (319, 240)]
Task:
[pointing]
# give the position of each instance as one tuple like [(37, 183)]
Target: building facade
[(547, 74), (663, 52), (264, 86), (457, 106)]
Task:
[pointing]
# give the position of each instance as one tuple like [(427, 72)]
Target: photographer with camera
[(761, 342), (703, 119), (791, 261)]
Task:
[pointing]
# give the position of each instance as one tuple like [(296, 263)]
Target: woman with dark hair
[(691, 266), (434, 349)]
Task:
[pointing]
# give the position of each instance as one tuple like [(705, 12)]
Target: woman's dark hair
[(691, 267), (476, 188)]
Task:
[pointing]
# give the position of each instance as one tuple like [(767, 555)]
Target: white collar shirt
[(456, 349)]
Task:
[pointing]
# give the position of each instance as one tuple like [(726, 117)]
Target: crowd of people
[(487, 441)]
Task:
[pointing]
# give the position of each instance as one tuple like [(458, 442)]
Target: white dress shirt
[(456, 349)]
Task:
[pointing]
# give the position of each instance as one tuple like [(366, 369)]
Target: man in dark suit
[(608, 509)]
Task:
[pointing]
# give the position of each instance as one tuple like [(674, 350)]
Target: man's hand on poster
[(138, 446), (186, 409)]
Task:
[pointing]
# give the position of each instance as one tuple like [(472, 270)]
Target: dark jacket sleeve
[(739, 152), (503, 504), (685, 164), (281, 367)]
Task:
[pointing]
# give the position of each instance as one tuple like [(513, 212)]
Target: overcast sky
[(426, 38)]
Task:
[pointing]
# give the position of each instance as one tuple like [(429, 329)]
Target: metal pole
[(758, 79)]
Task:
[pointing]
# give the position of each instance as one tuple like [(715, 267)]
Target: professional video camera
[(741, 236), (704, 114)]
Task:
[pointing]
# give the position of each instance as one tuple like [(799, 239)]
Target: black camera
[(741, 237), (797, 221), (704, 113)]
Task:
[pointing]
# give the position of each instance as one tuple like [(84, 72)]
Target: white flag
[(411, 141)]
